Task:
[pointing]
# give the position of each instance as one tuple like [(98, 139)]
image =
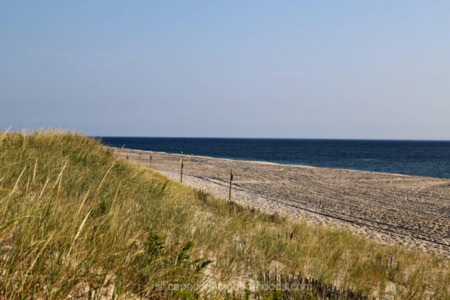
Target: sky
[(279, 69)]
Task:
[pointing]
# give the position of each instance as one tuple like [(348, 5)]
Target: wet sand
[(391, 208)]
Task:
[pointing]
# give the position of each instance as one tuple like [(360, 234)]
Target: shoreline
[(130, 150), (390, 208)]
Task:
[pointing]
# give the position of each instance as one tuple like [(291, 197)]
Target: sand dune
[(413, 211)]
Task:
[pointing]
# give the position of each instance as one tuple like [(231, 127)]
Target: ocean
[(417, 158)]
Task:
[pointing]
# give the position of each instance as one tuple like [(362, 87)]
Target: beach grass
[(78, 222)]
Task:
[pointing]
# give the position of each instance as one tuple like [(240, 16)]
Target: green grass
[(76, 221)]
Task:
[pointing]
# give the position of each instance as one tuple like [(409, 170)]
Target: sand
[(390, 208)]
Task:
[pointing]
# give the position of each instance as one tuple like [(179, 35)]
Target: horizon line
[(275, 138)]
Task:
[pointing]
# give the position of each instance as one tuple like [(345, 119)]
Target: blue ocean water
[(419, 158)]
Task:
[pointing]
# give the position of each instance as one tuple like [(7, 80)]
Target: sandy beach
[(390, 208)]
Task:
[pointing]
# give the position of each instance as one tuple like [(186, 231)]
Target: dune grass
[(78, 222)]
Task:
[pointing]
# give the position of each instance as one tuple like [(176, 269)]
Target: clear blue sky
[(299, 69)]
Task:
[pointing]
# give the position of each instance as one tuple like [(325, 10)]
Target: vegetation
[(78, 222)]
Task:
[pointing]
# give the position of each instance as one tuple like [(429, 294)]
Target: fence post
[(150, 161), (231, 184), (181, 170)]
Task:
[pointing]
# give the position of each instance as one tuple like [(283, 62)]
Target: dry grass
[(76, 221)]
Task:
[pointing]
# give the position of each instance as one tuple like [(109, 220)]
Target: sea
[(417, 158)]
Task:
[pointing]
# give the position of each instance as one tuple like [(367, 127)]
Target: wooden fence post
[(181, 170), (231, 184), (150, 161)]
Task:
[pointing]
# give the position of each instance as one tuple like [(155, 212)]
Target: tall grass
[(78, 222)]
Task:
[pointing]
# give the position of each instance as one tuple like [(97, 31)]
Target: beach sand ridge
[(390, 208)]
